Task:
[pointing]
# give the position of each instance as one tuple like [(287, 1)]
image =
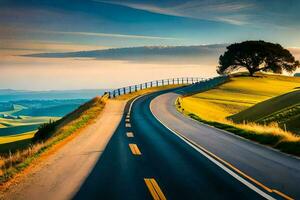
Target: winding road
[(157, 153)]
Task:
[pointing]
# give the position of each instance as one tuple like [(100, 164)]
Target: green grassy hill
[(284, 109), (261, 99), (238, 94)]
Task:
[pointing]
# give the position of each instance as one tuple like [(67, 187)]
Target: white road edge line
[(233, 174)]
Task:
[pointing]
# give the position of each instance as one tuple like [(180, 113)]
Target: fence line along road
[(163, 82)]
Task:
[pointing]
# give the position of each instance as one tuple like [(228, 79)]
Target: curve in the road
[(157, 165), (269, 169)]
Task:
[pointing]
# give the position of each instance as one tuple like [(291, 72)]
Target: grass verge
[(270, 135), (13, 163)]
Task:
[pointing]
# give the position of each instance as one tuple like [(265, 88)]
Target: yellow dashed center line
[(135, 150), (154, 189), (129, 134), (128, 125)]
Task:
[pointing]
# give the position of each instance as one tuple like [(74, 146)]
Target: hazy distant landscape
[(14, 95), (22, 111)]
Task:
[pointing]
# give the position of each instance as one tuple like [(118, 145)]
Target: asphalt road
[(275, 170), (145, 160)]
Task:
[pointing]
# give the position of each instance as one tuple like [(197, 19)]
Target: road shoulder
[(61, 174)]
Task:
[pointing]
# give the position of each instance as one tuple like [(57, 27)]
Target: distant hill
[(6, 106), (14, 95), (52, 111)]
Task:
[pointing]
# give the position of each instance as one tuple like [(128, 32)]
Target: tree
[(257, 56)]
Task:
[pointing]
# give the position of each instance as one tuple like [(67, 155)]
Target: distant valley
[(23, 111), (15, 95)]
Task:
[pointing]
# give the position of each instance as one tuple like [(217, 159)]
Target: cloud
[(43, 46), (111, 35), (214, 10), (153, 54), (7, 31)]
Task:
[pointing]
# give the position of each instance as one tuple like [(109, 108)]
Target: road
[(146, 160), (276, 170), (60, 175)]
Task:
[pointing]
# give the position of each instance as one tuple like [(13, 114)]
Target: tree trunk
[(251, 72)]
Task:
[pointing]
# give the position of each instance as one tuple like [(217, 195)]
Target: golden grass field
[(26, 120), (237, 94), (17, 137), (241, 92)]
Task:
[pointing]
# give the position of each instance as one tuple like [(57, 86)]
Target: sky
[(38, 26)]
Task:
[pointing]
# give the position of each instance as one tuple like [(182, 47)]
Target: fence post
[(187, 80), (168, 81), (114, 95), (135, 88), (141, 86), (129, 89), (119, 91)]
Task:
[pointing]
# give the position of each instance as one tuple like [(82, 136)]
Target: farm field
[(239, 93), (22, 121)]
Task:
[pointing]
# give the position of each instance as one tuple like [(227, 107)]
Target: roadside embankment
[(216, 105), (49, 136), (57, 174)]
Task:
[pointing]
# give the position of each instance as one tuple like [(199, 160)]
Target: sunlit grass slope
[(16, 137), (13, 130), (283, 109), (238, 94), (26, 120), (215, 107)]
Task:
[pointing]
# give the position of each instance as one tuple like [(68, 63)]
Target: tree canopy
[(257, 56)]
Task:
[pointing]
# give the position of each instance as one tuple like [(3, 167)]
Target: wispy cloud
[(17, 45), (231, 12), (112, 35), (8, 31)]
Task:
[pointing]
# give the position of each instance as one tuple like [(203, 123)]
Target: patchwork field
[(21, 121)]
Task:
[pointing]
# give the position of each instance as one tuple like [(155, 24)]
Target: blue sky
[(138, 23), (37, 26)]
